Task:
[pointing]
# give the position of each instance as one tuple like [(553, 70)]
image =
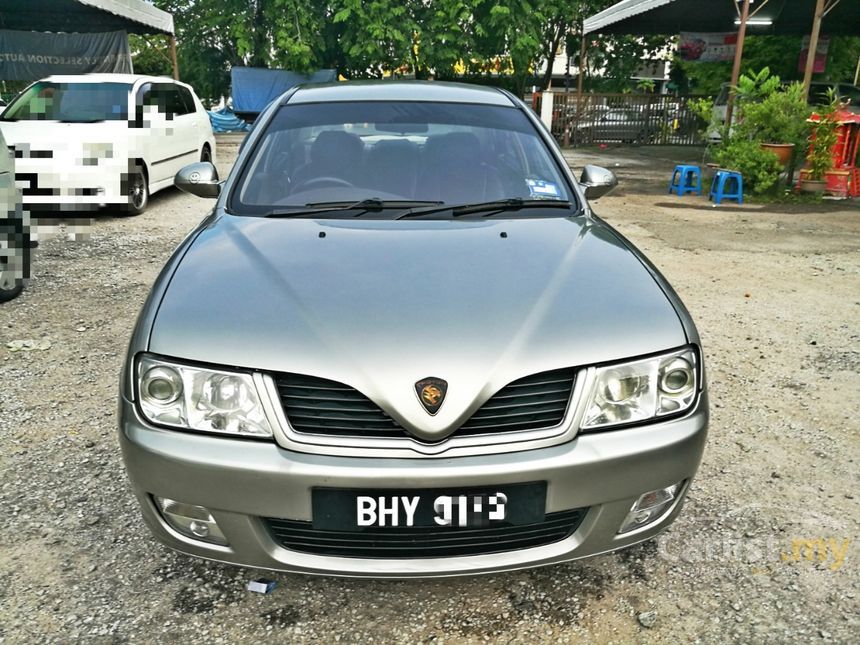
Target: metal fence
[(642, 119)]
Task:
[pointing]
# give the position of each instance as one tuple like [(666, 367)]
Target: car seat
[(333, 153), (392, 167), (454, 171)]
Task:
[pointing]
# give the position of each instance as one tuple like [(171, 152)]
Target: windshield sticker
[(540, 189)]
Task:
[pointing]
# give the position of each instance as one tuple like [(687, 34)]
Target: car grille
[(423, 542), (322, 407)]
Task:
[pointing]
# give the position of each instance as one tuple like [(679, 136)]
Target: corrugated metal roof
[(620, 11), (85, 16), (774, 17), (137, 10)]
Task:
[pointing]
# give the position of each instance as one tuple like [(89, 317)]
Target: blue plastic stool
[(686, 179), (727, 184)]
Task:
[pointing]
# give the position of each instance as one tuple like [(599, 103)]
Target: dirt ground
[(766, 549)]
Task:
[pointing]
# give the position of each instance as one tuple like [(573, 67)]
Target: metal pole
[(857, 73), (813, 45), (173, 58), (736, 69)]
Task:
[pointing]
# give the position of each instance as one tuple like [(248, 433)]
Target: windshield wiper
[(362, 206), (489, 208)]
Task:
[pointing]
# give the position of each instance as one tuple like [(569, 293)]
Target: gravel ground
[(776, 295)]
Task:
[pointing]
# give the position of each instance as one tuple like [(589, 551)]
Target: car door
[(170, 133), (185, 126)]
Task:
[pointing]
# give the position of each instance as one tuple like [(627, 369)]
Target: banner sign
[(820, 55), (707, 47), (31, 55)]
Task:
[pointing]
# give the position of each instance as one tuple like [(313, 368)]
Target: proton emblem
[(431, 392)]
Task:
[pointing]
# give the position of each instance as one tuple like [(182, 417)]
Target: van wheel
[(206, 154), (10, 287), (138, 191), (11, 283)]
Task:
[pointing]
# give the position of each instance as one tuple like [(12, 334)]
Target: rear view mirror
[(200, 179), (597, 181)]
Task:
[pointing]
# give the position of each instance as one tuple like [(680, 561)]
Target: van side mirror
[(200, 179), (597, 181)]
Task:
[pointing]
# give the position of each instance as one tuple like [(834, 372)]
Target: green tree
[(377, 37)]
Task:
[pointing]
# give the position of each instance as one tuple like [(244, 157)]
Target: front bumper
[(241, 481), (68, 185)]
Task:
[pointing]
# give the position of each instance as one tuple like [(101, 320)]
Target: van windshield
[(71, 102)]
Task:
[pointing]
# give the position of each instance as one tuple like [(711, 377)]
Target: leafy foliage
[(760, 169), (822, 140), (503, 40), (768, 112)]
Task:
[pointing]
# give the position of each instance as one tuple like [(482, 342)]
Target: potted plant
[(773, 114), (821, 142)]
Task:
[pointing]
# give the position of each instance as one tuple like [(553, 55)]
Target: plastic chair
[(686, 179), (727, 184)]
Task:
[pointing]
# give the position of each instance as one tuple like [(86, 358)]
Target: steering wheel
[(321, 182)]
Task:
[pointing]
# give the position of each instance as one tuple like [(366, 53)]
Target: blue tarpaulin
[(224, 120), (255, 87)]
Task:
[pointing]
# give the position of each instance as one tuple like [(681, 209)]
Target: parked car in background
[(93, 140), (847, 93), (14, 232), (627, 125), (403, 344)]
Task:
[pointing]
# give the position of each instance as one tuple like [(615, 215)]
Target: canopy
[(785, 17), (85, 16)]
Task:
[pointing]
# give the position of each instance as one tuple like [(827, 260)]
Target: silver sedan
[(402, 344)]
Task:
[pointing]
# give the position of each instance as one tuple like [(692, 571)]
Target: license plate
[(340, 509)]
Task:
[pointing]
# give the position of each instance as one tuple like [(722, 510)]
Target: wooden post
[(813, 45), (173, 57), (736, 68), (581, 63), (579, 81)]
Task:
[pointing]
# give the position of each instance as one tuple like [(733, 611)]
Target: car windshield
[(71, 102), (397, 152)]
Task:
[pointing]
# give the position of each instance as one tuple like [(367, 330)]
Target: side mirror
[(597, 181), (200, 179)]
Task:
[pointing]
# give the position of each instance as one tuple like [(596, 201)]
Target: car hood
[(380, 305)]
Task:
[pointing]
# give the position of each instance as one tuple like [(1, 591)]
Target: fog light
[(191, 520), (650, 507)]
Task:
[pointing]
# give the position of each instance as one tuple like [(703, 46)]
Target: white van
[(86, 141)]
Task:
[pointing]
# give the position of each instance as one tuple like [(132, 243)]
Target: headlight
[(95, 152), (200, 399), (631, 392)]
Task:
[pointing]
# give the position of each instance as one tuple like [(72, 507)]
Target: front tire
[(10, 288), (14, 266), (138, 191), (206, 153)]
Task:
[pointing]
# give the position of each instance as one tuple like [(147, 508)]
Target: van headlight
[(642, 390), (195, 398)]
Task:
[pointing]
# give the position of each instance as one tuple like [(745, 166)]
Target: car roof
[(107, 78), (434, 91)]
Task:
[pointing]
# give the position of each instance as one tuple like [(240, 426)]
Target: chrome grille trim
[(318, 406), (403, 446)]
